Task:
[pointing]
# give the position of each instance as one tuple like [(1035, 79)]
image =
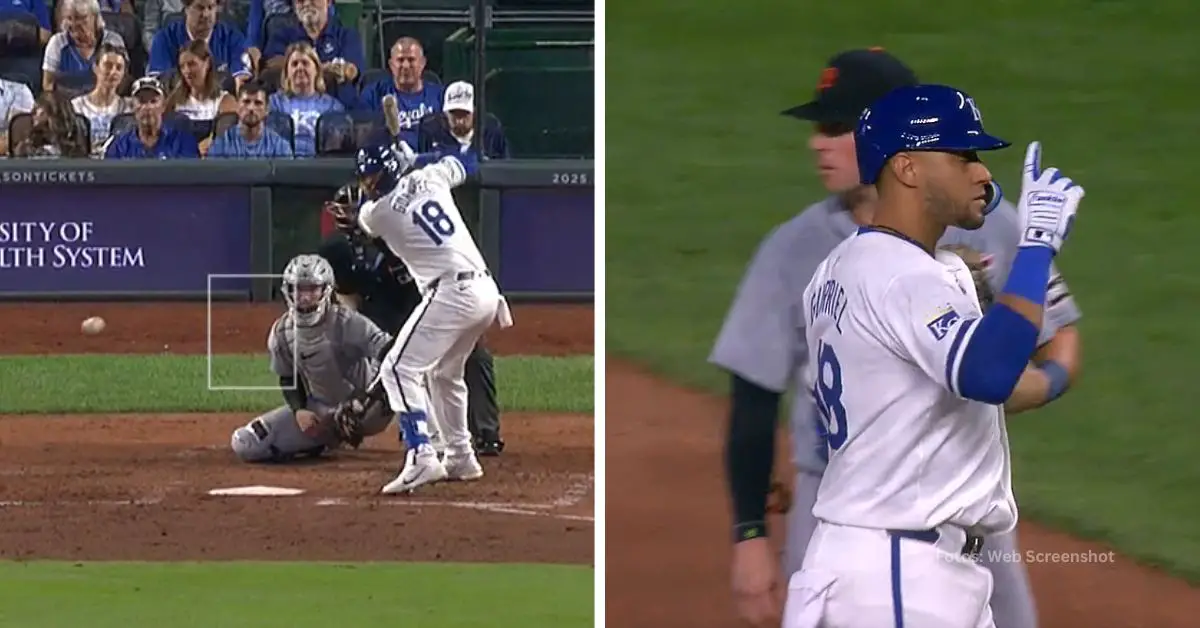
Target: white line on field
[(20, 503), (577, 490)]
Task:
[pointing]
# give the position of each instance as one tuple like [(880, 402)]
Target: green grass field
[(283, 595), (700, 166), (45, 594), (83, 383)]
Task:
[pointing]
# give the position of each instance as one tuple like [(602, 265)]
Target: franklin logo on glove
[(1047, 199)]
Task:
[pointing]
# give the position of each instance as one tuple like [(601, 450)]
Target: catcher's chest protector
[(328, 373)]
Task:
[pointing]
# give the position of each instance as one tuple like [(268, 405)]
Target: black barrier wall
[(96, 230)]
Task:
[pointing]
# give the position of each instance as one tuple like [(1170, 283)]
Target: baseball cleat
[(490, 447), (421, 467), (463, 468)]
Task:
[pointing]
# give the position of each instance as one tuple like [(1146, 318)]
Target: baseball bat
[(391, 114)]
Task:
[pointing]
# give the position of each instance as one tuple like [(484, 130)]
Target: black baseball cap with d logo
[(850, 83)]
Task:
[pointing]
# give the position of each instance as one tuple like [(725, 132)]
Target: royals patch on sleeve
[(941, 323)]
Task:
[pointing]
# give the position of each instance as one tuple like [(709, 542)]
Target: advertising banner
[(547, 239), (110, 239)]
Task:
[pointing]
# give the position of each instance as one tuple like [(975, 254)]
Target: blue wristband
[(1030, 274), (1059, 379)]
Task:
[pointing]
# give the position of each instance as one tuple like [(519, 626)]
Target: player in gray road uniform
[(762, 343), (338, 352)]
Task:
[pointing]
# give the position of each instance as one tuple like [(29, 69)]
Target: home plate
[(256, 491)]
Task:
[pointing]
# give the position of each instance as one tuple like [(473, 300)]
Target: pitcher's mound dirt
[(667, 528)]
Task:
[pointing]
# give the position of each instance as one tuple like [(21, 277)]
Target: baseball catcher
[(326, 357)]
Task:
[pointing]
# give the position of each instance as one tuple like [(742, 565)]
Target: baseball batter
[(762, 343), (909, 374), (325, 356), (414, 214)]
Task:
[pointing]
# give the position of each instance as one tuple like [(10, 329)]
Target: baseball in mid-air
[(93, 325)]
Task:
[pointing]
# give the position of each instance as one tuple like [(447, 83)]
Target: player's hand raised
[(1048, 203)]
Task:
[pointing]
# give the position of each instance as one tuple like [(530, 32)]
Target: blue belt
[(971, 548)]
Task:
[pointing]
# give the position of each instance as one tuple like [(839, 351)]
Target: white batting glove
[(1048, 203), (405, 155)]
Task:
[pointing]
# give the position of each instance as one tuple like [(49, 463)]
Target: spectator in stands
[(339, 50), (15, 98), (197, 94), (454, 128), (74, 49), (106, 6), (250, 137), (102, 104), (416, 98), (15, 38), (303, 96), (151, 139), (263, 10), (55, 132), (155, 12), (199, 22)]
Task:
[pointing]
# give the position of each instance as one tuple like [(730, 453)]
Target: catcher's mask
[(308, 288), (344, 208)]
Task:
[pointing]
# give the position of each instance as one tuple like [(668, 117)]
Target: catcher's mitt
[(979, 265), (347, 420)]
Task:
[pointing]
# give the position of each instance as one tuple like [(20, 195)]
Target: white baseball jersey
[(886, 324), (422, 225)]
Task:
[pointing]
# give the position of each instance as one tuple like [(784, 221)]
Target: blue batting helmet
[(918, 118), (378, 159)]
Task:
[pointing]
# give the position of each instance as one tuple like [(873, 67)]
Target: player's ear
[(904, 168)]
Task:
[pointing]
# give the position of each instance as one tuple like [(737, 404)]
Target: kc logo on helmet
[(965, 101)]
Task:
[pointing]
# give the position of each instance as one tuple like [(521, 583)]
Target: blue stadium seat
[(21, 125), (278, 22), (283, 124), (74, 84), (343, 133), (335, 134), (223, 123), (271, 79), (373, 75), (27, 70), (25, 26), (121, 123), (124, 25)]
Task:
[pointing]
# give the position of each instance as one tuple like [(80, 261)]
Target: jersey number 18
[(827, 391), (434, 221)]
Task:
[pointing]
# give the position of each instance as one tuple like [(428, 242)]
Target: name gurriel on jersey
[(828, 300)]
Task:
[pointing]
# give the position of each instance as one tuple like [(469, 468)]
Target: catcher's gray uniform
[(337, 358), (763, 341)]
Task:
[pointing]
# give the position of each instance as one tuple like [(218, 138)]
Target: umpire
[(376, 283)]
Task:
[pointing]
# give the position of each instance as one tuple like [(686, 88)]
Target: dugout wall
[(156, 230)]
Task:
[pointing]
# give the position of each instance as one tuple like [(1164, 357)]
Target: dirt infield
[(664, 466), (49, 328), (135, 487)]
